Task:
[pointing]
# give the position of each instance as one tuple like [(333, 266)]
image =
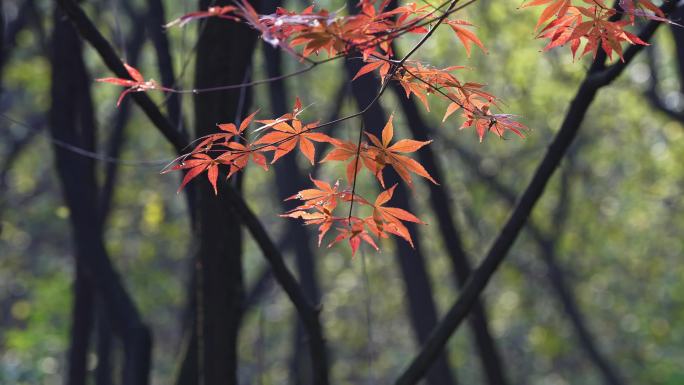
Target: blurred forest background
[(591, 293)]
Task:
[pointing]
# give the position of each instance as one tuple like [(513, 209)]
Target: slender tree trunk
[(104, 337), (587, 342), (3, 53), (104, 343), (76, 115)]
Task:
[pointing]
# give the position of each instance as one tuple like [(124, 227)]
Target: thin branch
[(255, 82), (452, 8), (420, 304), (357, 158)]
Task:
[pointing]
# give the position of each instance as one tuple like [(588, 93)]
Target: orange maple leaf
[(323, 195), (355, 233), (467, 37), (383, 154), (484, 121), (389, 219), (345, 150), (323, 216)]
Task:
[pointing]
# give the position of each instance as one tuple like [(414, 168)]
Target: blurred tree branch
[(598, 76), (547, 246)]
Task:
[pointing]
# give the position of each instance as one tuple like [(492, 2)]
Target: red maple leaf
[(137, 83), (197, 164), (383, 154)]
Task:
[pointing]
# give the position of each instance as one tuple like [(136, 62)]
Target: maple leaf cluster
[(376, 156), (370, 34), (276, 138), (594, 22), (318, 208), (476, 104), (315, 31)]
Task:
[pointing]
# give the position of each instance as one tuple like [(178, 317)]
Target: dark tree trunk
[(587, 342), (72, 123), (3, 53), (547, 247), (224, 52), (422, 308), (104, 343)]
